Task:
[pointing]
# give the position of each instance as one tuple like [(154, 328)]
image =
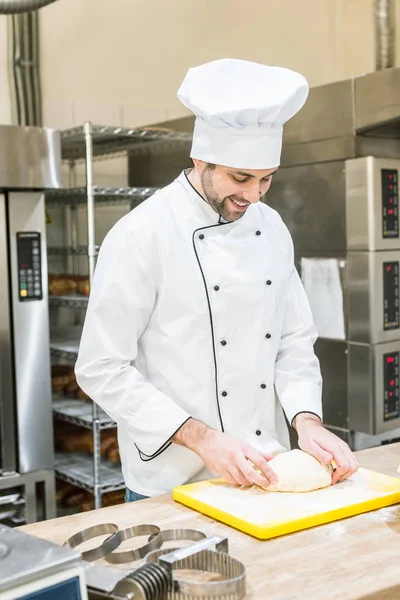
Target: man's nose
[(253, 193)]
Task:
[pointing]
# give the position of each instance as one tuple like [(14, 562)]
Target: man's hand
[(325, 446), (225, 455)]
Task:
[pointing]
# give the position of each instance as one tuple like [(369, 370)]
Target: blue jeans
[(133, 496)]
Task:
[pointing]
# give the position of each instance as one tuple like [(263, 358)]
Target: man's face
[(231, 191)]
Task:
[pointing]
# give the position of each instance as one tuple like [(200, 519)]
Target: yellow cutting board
[(270, 514)]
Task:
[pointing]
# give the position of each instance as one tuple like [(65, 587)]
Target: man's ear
[(199, 164)]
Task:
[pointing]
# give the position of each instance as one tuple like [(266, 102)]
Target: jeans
[(133, 496)]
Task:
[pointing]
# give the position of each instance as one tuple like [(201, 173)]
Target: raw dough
[(298, 471)]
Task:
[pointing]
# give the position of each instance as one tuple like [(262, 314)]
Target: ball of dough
[(298, 471)]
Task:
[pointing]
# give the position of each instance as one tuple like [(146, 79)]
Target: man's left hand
[(325, 446)]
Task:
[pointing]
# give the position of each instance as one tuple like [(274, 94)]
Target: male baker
[(198, 335)]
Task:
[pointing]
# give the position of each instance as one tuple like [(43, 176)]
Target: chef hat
[(241, 107)]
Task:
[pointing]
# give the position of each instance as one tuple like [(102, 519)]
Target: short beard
[(220, 206)]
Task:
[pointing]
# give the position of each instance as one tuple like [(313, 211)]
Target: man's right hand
[(225, 455)]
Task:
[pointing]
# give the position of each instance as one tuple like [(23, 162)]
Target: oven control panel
[(391, 386), (391, 317), (390, 202), (29, 266)]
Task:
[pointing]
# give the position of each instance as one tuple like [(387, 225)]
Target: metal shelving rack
[(87, 143)]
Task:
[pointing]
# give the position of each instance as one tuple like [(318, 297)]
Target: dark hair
[(210, 166)]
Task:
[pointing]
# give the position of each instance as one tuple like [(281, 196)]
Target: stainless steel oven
[(338, 192), (30, 161)]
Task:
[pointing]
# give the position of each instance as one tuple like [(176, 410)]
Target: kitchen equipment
[(37, 569), (199, 557), (270, 514), (338, 192), (92, 532), (155, 580), (30, 161), (138, 553)]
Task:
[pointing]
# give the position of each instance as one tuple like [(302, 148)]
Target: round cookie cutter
[(172, 535), (109, 545), (130, 532), (199, 557)]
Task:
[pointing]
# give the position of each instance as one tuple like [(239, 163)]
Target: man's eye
[(240, 180)]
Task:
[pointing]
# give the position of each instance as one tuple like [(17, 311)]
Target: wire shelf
[(67, 250), (77, 468), (102, 195), (79, 412), (64, 343), (73, 301), (108, 140)]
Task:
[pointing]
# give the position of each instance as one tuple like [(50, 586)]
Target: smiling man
[(198, 335)]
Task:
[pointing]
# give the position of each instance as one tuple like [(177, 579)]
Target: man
[(198, 332)]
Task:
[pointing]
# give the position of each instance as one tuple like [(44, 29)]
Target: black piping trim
[(162, 448), (220, 222), (211, 318), (194, 189), (305, 412)]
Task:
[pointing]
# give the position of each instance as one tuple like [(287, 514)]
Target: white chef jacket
[(189, 316)]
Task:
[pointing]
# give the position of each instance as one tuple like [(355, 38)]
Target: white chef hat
[(241, 107)]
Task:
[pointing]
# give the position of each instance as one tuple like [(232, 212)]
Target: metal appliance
[(30, 161), (35, 568), (338, 192)]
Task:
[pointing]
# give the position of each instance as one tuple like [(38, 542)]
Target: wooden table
[(353, 558)]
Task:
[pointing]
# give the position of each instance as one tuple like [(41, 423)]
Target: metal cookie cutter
[(199, 557), (110, 544), (171, 535), (128, 533)]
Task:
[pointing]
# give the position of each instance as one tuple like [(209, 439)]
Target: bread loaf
[(62, 489), (112, 453), (72, 438), (109, 499), (64, 284), (75, 498), (84, 287)]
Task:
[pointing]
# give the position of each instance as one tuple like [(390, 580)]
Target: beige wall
[(123, 65)]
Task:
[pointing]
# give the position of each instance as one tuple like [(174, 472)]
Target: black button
[(258, 432), (258, 232), (269, 282), (216, 288), (263, 386), (268, 336), (224, 394), (223, 342), (201, 236)]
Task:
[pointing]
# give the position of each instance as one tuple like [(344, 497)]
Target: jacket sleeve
[(122, 299), (298, 381)]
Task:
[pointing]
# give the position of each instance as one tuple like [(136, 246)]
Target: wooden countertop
[(352, 559)]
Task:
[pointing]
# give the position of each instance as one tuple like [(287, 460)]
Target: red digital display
[(390, 211), (390, 359), (391, 383), (388, 268)]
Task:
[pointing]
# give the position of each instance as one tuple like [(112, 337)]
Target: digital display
[(391, 295), (390, 202), (391, 386), (29, 266), (65, 590)]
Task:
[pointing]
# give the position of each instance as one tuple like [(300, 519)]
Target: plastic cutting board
[(266, 515)]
